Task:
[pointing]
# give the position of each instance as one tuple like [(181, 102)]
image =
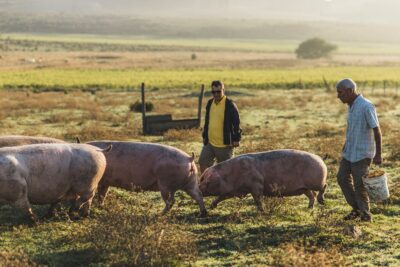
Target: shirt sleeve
[(371, 116)]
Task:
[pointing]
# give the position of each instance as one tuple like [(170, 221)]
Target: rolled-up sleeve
[(371, 117)]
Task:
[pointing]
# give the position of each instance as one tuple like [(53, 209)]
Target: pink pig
[(139, 166), (273, 173)]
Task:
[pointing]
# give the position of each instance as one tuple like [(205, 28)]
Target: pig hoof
[(50, 215), (73, 217), (32, 224), (34, 221), (203, 214), (84, 214)]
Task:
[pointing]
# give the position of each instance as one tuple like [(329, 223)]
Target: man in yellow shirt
[(221, 132)]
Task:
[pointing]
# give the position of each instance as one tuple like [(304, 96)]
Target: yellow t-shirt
[(216, 123)]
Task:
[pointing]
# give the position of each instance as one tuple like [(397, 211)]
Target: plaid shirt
[(360, 141)]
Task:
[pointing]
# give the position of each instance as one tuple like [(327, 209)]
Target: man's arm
[(378, 142), (206, 121), (237, 132)]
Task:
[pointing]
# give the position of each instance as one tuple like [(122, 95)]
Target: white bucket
[(377, 187)]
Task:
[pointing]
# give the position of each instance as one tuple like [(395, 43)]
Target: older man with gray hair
[(363, 145)]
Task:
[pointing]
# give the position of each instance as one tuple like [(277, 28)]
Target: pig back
[(288, 171), (18, 140), (137, 165)]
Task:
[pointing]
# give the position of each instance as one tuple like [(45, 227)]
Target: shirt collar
[(358, 99), (221, 101)]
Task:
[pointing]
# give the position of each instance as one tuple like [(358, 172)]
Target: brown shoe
[(354, 214), (366, 217)]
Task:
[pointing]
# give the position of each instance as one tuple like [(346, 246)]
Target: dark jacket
[(232, 131)]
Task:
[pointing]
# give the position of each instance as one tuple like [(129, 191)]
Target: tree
[(314, 48)]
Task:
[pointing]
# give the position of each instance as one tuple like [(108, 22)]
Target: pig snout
[(203, 189)]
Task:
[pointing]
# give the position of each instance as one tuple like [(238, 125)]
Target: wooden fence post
[(201, 96), (373, 87), (301, 84), (384, 87), (143, 109), (326, 84)]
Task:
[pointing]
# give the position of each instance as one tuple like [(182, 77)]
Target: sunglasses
[(216, 92)]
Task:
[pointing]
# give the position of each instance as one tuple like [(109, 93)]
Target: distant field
[(209, 44), (118, 43), (189, 79)]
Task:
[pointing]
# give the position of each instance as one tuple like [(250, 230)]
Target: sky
[(345, 11)]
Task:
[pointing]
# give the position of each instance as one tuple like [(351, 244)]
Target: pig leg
[(169, 199), (257, 200), (52, 210), (85, 209), (218, 200), (84, 199), (24, 205), (198, 197), (257, 189), (320, 196), (20, 199), (311, 196), (102, 192)]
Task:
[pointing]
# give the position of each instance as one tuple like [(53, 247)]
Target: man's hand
[(236, 144), (377, 159)]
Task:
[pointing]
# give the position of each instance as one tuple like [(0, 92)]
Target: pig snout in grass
[(272, 173)]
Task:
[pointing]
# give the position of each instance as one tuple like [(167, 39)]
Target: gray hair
[(347, 84)]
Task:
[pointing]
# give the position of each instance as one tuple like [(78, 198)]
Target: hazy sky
[(354, 11)]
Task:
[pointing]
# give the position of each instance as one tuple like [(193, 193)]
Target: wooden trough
[(156, 124)]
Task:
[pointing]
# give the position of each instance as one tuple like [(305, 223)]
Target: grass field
[(128, 230), (283, 103), (168, 64), (189, 79), (255, 45)]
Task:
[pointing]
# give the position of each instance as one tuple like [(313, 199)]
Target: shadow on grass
[(73, 257), (222, 241), (387, 210), (13, 217)]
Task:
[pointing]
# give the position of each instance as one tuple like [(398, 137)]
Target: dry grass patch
[(15, 258), (184, 135), (128, 234), (394, 148), (267, 102), (303, 256)]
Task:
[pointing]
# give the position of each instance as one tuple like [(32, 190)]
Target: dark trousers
[(349, 177)]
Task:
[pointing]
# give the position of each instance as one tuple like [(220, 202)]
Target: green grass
[(189, 79), (208, 44), (255, 45), (129, 230)]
